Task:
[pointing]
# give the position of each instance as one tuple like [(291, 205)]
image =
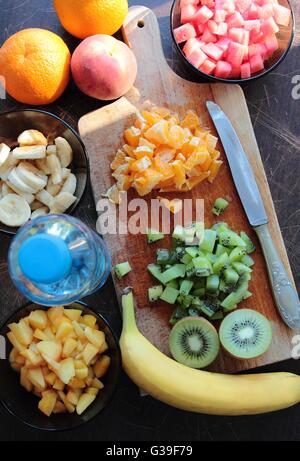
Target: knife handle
[(286, 296)]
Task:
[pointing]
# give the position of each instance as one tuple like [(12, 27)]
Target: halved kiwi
[(194, 342), (245, 334)]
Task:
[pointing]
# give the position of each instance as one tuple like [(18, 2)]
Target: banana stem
[(129, 322)]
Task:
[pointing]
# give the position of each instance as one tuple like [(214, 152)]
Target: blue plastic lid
[(45, 258)]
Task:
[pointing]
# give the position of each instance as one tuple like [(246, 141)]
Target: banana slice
[(62, 202), (14, 190), (9, 165), (15, 179), (6, 189), (53, 189), (29, 152), (30, 178), (32, 138), (65, 173), (35, 205), (64, 151), (55, 167), (4, 153), (42, 165), (70, 184), (45, 198), (51, 150), (14, 210), (43, 211)]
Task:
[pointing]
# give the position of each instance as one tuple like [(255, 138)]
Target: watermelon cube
[(253, 49), (203, 15), (223, 69), (222, 29), (197, 57), (282, 15), (208, 66), (236, 53), (209, 3), (235, 20), (235, 72), (187, 13), (190, 45), (253, 12), (223, 43), (266, 11), (269, 26), (229, 6), (243, 5), (256, 37), (208, 37), (239, 35), (220, 16), (271, 44), (245, 70), (184, 33), (256, 63), (201, 28), (213, 51), (252, 24), (212, 26), (188, 2)]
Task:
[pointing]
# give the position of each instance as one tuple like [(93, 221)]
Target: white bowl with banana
[(38, 172)]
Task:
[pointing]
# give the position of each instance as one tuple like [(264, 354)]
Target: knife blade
[(285, 294)]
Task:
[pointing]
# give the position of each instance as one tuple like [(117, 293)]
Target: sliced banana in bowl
[(14, 210)]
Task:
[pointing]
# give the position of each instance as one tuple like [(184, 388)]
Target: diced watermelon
[(252, 24), (222, 29), (208, 37), (188, 2), (245, 70), (209, 3), (184, 33), (269, 26), (208, 66), (223, 69), (212, 26), (229, 6), (190, 45), (235, 20), (256, 37), (220, 15), (197, 57), (187, 13), (243, 5), (236, 53), (253, 12), (239, 35), (271, 44), (266, 11), (224, 43), (282, 15), (201, 28), (256, 63), (213, 51), (253, 49), (203, 15), (235, 72)]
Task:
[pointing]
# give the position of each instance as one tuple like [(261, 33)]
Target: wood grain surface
[(102, 131), (274, 105)]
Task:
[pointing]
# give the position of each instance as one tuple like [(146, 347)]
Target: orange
[(35, 64), (83, 18)]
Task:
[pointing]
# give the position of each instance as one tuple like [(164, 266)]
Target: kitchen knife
[(286, 297)]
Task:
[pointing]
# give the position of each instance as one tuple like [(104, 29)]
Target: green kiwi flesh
[(194, 342)]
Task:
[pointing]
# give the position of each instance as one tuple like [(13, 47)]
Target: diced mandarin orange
[(215, 154), (184, 188), (143, 151), (132, 136), (129, 150), (191, 146), (141, 164), (201, 133), (145, 142), (181, 157), (191, 120), (158, 133), (197, 158), (122, 169), (179, 170), (174, 120), (161, 111), (206, 165), (150, 117), (212, 141), (214, 170), (165, 153), (124, 182), (118, 160), (192, 182), (163, 167), (176, 136)]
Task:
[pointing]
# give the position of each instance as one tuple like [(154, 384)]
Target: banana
[(64, 151), (6, 189), (29, 152), (55, 168), (42, 165), (14, 190), (53, 189), (65, 173), (31, 178), (43, 211), (51, 150), (70, 184), (8, 166), (45, 198), (35, 205), (32, 138), (195, 390), (15, 179), (4, 153), (14, 210), (62, 202)]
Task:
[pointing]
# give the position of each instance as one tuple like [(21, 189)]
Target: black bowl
[(285, 40), (13, 123), (24, 405)]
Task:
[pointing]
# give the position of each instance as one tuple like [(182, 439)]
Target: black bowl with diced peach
[(232, 41), (43, 167), (61, 365)]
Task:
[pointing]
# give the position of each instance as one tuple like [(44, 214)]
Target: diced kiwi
[(155, 270), (192, 251), (231, 239), (154, 293), (220, 206), (209, 307), (186, 286), (185, 301), (247, 260), (122, 269), (217, 316), (230, 302), (162, 256), (173, 284), (231, 277), (220, 227), (220, 249), (190, 270), (245, 334), (241, 268), (250, 247), (203, 267), (178, 270), (236, 254), (194, 342), (199, 292), (209, 241), (169, 295), (154, 235), (212, 284), (177, 315)]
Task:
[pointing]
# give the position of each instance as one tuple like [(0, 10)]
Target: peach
[(103, 67)]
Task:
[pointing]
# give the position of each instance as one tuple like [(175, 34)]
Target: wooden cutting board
[(102, 134)]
